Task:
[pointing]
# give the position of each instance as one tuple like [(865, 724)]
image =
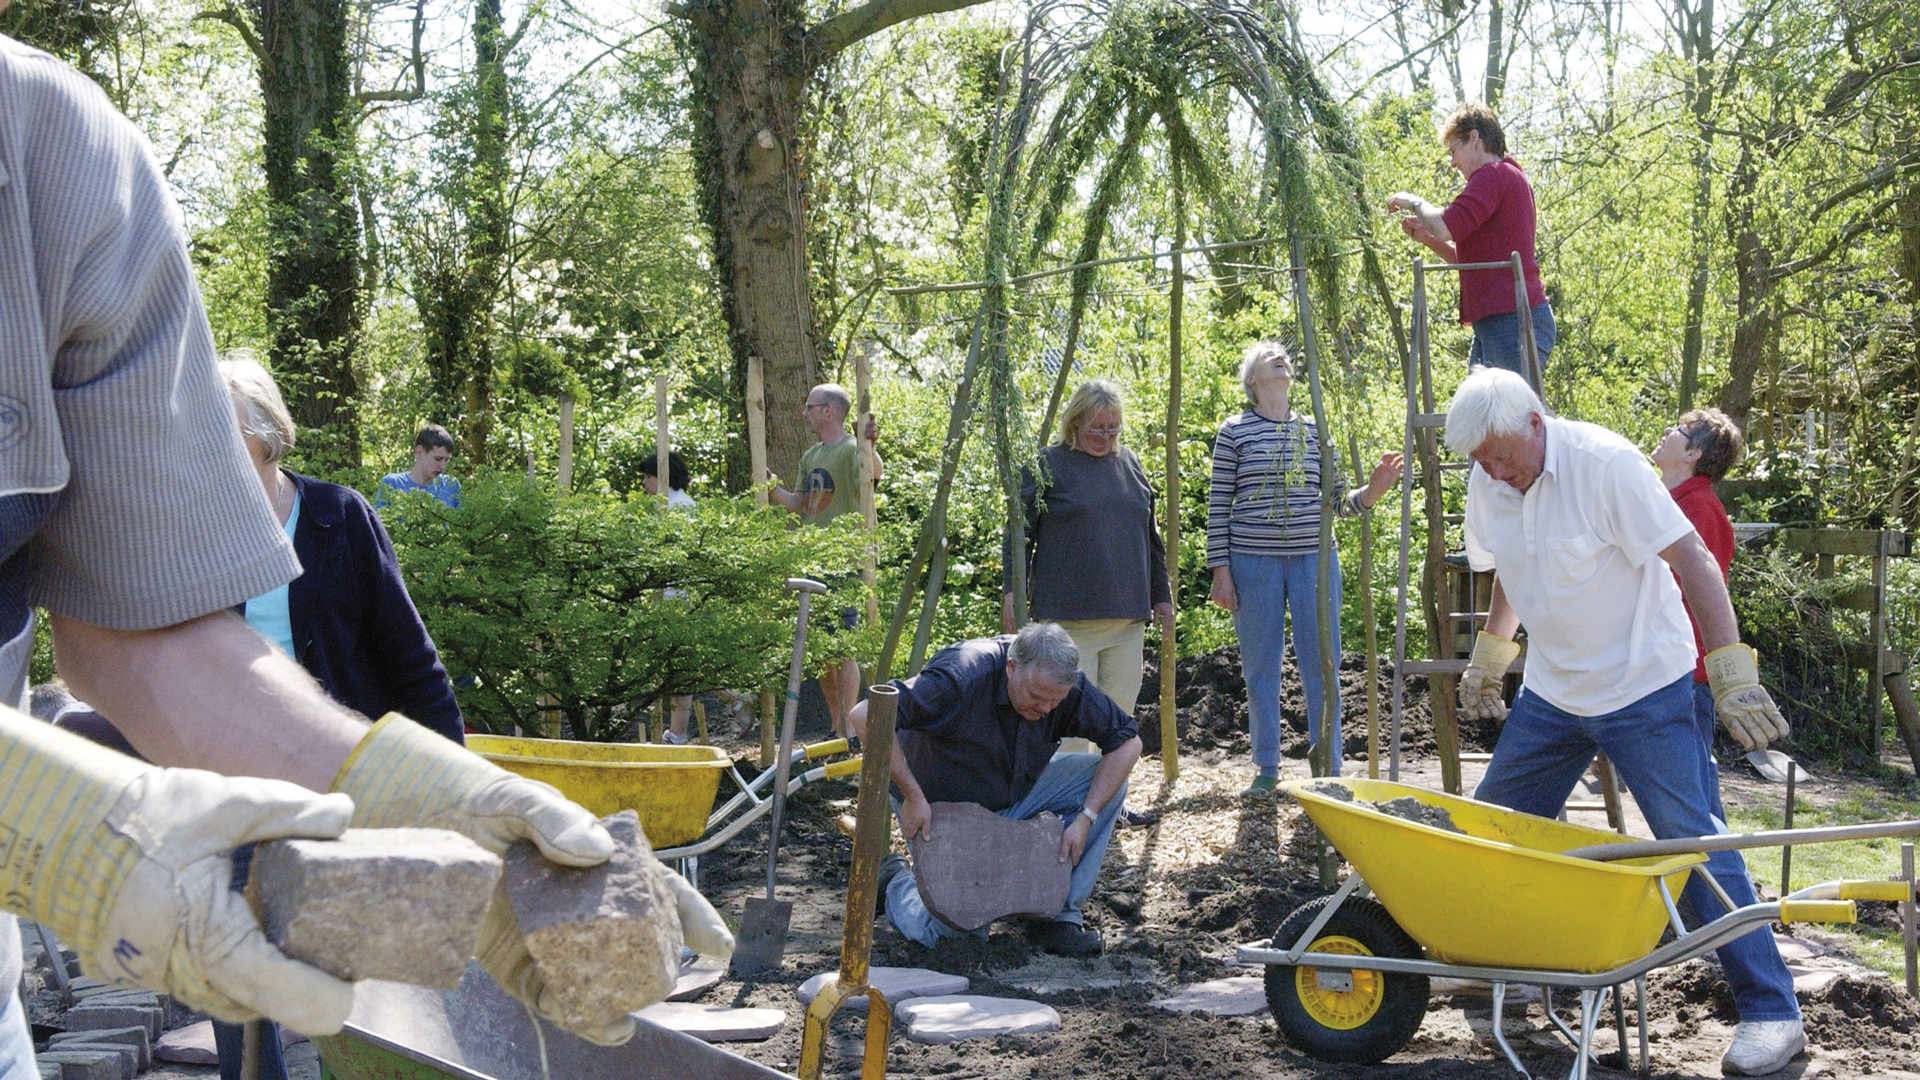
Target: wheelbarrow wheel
[(1366, 1023)]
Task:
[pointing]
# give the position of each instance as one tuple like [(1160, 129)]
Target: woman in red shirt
[(1489, 220)]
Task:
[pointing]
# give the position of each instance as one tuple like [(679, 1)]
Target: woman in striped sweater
[(1263, 541)]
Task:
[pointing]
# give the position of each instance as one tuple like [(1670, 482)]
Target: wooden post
[(566, 443), (1170, 524), (661, 436), (1909, 941), (757, 457), (863, 392), (1367, 616), (700, 721)]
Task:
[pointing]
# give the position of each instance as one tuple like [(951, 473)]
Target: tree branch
[(232, 17), (419, 89), (848, 27)]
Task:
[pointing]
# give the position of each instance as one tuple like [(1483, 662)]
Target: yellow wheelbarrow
[(1509, 898)]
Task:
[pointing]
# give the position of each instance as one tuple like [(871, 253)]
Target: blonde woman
[(1263, 546), (1095, 563)]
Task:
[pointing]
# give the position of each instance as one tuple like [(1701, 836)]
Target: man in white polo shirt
[(1583, 534)]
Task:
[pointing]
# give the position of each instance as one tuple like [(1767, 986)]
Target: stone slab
[(1236, 995), (92, 1016), (129, 1056), (978, 866), (84, 1064), (49, 1070), (190, 1045), (896, 984), (1046, 975), (694, 980), (605, 939), (135, 1037), (403, 905), (712, 1023), (953, 1018)]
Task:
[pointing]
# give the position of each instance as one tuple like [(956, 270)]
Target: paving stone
[(397, 904), (129, 1056), (896, 984), (92, 1016), (135, 1037), (712, 1023), (1236, 995), (952, 1018), (190, 1045), (84, 1064), (979, 866), (1793, 949), (695, 979), (606, 939), (1810, 980), (49, 1070)]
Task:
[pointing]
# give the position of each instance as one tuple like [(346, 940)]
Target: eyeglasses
[(1102, 432)]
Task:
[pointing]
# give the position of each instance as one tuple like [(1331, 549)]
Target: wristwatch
[(1088, 813)]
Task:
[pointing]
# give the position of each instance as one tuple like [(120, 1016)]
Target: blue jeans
[(1655, 745), (1062, 788), (1706, 720), (16, 1039), (1269, 586), (1496, 340)]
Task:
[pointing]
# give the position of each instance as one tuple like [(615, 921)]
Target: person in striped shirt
[(1263, 546)]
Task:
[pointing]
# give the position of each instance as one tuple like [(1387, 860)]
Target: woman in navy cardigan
[(347, 618)]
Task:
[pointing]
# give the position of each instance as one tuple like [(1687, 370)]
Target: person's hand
[(1405, 201), (1073, 842), (916, 817), (1164, 612), (1384, 476), (1746, 709), (1481, 695), (1009, 623), (1416, 231), (139, 873), (872, 431), (401, 774), (1223, 592)]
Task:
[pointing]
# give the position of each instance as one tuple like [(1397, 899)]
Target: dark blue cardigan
[(354, 626)]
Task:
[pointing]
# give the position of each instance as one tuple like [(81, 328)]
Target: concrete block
[(606, 939), (979, 866), (953, 1018), (49, 1070), (84, 1064), (712, 1023), (1236, 995), (129, 1056), (398, 904), (190, 1045), (135, 1037), (896, 984), (93, 1016)]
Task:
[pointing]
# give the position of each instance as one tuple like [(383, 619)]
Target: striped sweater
[(1264, 498)]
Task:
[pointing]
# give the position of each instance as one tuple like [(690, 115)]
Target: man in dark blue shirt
[(982, 723)]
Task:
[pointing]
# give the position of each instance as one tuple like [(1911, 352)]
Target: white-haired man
[(1582, 534), (982, 722)]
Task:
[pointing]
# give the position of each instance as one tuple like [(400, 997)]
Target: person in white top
[(1582, 535)]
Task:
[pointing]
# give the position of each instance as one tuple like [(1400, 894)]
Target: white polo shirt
[(1579, 559)]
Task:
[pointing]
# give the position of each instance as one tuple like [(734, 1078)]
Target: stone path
[(952, 1018), (896, 984)]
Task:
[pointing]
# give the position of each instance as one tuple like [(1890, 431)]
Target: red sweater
[(1702, 507), (1490, 220)]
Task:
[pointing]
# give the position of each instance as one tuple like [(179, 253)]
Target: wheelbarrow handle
[(806, 585), (1639, 849)]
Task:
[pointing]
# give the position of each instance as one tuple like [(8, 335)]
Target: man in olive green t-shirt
[(826, 480)]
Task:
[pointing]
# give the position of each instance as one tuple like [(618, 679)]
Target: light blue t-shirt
[(444, 487), (268, 613)]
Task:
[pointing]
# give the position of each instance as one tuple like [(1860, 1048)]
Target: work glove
[(701, 928), (1482, 695), (1746, 709), (402, 775), (130, 865)]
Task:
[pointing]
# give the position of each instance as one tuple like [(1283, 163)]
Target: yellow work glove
[(1746, 709), (401, 774), (131, 865), (1482, 695), (701, 928)]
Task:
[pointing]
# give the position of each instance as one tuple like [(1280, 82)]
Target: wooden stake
[(566, 443), (700, 720), (863, 392), (1907, 930), (1169, 646), (757, 457), (661, 436)]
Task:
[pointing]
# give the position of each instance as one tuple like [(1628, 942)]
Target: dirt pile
[(1210, 701)]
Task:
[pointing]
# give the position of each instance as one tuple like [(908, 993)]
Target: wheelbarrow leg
[(1592, 1001), (1621, 1060), (1499, 1029), (1640, 1006)]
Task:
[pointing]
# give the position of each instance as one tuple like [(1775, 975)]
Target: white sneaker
[(1763, 1046), (670, 739)]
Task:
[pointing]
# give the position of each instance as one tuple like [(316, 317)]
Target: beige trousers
[(1113, 655)]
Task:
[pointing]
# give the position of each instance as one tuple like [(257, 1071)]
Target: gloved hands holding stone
[(401, 774), (129, 863), (1482, 696), (1746, 709)]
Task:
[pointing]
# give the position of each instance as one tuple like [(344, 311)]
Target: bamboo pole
[(1324, 709), (566, 443), (1169, 644), (1367, 614), (757, 458)]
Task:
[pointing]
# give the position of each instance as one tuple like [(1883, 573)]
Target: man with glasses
[(825, 487)]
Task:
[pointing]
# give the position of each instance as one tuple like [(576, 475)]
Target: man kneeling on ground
[(982, 723)]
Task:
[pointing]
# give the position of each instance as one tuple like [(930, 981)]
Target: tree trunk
[(1754, 317), (1697, 46), (1495, 79), (313, 273)]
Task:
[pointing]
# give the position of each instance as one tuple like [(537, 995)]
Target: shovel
[(761, 942)]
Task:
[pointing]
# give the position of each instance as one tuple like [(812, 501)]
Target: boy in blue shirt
[(432, 449)]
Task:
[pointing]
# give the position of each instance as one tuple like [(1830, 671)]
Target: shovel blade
[(761, 942)]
